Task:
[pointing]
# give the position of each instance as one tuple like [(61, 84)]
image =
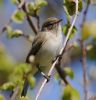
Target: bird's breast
[(49, 50)]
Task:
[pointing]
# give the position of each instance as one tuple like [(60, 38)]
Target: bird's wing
[(37, 44)]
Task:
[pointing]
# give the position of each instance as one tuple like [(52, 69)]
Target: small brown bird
[(45, 47)]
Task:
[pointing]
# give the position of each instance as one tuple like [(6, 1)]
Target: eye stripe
[(48, 24)]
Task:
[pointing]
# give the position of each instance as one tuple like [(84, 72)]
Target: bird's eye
[(50, 27)]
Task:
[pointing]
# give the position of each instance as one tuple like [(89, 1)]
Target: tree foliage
[(12, 75)]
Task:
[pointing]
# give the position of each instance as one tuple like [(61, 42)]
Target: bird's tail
[(25, 88)]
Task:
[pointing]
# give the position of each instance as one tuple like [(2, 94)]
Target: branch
[(84, 69), (28, 37), (23, 6), (59, 69), (14, 93), (85, 13), (28, 18), (84, 54), (5, 27), (61, 52), (38, 22)]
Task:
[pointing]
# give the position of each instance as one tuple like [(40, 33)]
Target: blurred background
[(18, 48)]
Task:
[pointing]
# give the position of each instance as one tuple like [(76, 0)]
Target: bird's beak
[(58, 21)]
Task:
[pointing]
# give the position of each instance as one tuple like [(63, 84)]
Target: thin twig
[(84, 69), (15, 92), (28, 37), (21, 4), (69, 47), (58, 67), (38, 22), (5, 27), (84, 54), (29, 18), (85, 13), (61, 52)]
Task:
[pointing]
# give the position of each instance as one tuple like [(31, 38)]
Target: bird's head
[(52, 24)]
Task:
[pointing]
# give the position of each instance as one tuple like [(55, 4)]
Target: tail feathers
[(25, 88)]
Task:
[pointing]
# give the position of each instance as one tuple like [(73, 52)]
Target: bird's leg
[(56, 58), (43, 74)]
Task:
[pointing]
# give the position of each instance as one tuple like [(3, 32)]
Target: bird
[(45, 47)]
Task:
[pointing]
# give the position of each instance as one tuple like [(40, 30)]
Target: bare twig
[(28, 37), (69, 47), (29, 18), (59, 69), (38, 22), (23, 6), (61, 52), (14, 94), (84, 69), (85, 13), (5, 27), (84, 54)]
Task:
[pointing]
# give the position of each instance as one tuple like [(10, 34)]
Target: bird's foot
[(46, 76), (56, 58), (43, 74)]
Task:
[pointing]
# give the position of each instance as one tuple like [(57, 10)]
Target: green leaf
[(85, 31), (89, 47), (14, 2), (31, 81), (21, 69), (24, 98), (2, 97), (17, 75), (2, 49), (25, 68), (56, 76), (89, 30), (18, 16), (31, 8), (65, 30), (80, 5), (41, 3), (7, 86), (70, 93), (75, 44), (6, 67), (1, 2), (71, 6), (10, 31), (17, 33), (13, 33), (69, 72)]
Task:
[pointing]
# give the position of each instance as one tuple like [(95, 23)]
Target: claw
[(56, 58), (43, 74), (46, 77)]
